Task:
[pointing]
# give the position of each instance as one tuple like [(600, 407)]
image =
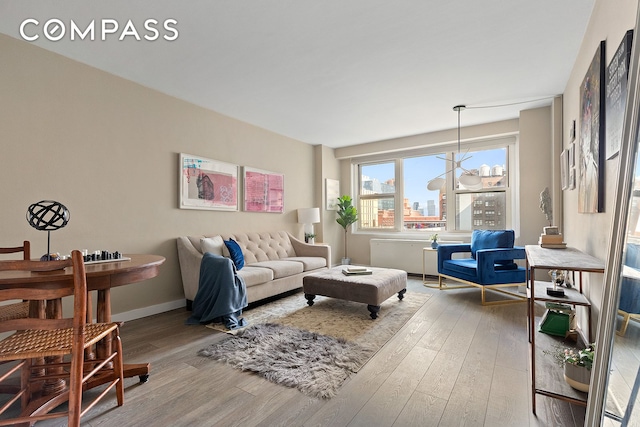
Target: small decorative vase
[(346, 261), (434, 245), (577, 377), (312, 241)]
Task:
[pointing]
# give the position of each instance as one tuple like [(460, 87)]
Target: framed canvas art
[(207, 184), (332, 193), (591, 141), (616, 94), (564, 169), (263, 191)]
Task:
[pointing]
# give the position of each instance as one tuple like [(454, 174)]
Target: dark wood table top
[(99, 276)]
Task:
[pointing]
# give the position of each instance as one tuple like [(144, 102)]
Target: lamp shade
[(470, 182), (308, 215), (435, 184)]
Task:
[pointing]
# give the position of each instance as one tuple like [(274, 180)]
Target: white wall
[(591, 232), (533, 159)]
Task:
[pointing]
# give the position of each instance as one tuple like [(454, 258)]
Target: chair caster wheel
[(144, 378)]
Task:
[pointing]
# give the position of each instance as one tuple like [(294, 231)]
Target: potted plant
[(347, 215), (434, 240), (577, 365), (309, 238)]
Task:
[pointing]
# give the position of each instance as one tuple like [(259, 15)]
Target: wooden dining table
[(101, 277)]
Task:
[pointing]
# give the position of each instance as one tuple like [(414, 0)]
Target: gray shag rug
[(315, 364), (314, 349)]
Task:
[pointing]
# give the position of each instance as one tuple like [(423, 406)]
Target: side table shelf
[(547, 378)]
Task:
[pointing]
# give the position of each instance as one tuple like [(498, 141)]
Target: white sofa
[(275, 262)]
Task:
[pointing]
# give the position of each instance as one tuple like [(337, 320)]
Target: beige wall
[(591, 232), (108, 149)]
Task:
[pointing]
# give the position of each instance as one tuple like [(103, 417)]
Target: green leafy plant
[(347, 215), (434, 237), (309, 236), (583, 357)]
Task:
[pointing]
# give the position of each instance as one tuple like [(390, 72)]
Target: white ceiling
[(333, 72)]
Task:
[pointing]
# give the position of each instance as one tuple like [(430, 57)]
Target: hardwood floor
[(455, 362)]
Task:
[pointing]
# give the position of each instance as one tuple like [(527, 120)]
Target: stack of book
[(352, 271), (553, 241)]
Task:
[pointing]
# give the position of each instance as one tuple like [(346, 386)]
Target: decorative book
[(356, 271)]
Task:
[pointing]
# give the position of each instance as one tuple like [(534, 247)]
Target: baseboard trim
[(148, 311)]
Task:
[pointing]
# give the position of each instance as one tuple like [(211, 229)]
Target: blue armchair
[(629, 307), (491, 265)]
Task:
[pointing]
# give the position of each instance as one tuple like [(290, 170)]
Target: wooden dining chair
[(64, 338), (19, 309)]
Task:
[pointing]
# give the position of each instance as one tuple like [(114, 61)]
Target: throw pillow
[(212, 244), (235, 253)]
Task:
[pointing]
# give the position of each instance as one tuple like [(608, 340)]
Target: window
[(489, 200), (399, 185), (377, 196)]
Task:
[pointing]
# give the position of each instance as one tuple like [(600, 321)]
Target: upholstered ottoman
[(370, 289)]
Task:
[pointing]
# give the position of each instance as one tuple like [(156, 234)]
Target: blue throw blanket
[(221, 294)]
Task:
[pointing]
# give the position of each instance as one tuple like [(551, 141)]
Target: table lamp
[(308, 217)]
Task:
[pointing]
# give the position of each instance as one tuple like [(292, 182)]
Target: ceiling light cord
[(504, 105)]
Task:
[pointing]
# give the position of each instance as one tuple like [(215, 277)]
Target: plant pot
[(346, 261), (577, 377), (434, 245)]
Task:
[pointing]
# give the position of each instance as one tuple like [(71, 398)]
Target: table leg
[(103, 314), (53, 386)]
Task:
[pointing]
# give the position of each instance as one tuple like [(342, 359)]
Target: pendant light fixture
[(467, 179)]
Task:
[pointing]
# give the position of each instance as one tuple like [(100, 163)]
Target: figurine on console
[(551, 236)]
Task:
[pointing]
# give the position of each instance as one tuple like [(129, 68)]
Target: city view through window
[(425, 210)]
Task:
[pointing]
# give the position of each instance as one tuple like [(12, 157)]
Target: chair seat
[(43, 343)]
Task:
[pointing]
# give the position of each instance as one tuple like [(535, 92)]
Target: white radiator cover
[(405, 255)]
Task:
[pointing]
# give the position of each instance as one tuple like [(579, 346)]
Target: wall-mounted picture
[(207, 184), (332, 193), (591, 144), (263, 191), (564, 169), (616, 94)]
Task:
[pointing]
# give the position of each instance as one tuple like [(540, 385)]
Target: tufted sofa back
[(258, 247)]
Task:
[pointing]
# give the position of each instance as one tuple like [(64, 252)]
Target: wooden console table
[(572, 260)]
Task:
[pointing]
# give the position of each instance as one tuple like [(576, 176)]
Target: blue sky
[(419, 170)]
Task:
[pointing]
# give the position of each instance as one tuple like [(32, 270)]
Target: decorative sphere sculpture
[(47, 215)]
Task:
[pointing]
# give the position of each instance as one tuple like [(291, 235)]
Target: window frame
[(449, 150)]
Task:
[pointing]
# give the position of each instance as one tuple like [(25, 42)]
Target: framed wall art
[(332, 191), (207, 184), (616, 94), (263, 191), (591, 141), (564, 169)]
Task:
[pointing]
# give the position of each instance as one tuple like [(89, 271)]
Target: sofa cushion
[(255, 275), (309, 262), (212, 244), (281, 268), (235, 253)]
